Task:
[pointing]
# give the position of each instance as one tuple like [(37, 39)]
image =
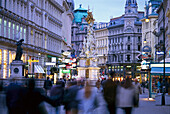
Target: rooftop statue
[(90, 18), (19, 50)]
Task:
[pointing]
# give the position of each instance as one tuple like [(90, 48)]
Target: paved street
[(145, 107)]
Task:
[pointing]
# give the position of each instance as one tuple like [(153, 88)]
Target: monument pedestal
[(17, 67)]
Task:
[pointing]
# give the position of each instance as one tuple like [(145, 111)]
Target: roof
[(79, 14)]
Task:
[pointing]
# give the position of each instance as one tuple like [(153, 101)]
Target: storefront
[(156, 74)]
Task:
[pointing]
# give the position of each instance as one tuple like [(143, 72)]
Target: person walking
[(109, 93), (138, 91), (47, 85), (70, 102), (126, 96), (56, 94), (91, 101), (143, 86)]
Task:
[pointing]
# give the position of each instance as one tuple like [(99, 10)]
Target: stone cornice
[(57, 5), (12, 43), (13, 16)]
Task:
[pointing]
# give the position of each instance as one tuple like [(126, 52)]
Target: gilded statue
[(89, 18)]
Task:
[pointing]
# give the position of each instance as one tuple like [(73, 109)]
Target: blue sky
[(103, 10)]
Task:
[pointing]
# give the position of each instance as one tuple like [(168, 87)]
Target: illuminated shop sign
[(65, 71), (33, 60)]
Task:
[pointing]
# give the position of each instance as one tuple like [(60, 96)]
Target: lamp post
[(163, 31)]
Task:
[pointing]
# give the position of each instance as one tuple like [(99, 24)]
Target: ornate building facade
[(39, 23), (149, 25), (101, 34), (124, 41), (79, 29)]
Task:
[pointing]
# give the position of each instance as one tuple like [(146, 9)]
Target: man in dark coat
[(109, 92)]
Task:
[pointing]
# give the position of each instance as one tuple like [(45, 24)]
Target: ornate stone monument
[(17, 64), (88, 56)]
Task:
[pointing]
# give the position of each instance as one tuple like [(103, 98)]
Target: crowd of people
[(78, 96)]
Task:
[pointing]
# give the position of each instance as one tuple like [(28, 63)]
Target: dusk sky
[(103, 10)]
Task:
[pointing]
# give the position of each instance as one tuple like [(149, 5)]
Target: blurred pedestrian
[(14, 98), (47, 85), (167, 85), (70, 102), (138, 91), (98, 84), (159, 85), (125, 96), (90, 101), (143, 86), (33, 100), (57, 93), (109, 92)]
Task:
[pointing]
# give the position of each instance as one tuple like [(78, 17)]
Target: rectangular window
[(21, 33), (128, 47), (138, 38), (0, 26), (13, 31), (129, 38), (24, 35), (9, 29), (121, 57), (138, 47), (5, 28), (128, 58), (17, 33)]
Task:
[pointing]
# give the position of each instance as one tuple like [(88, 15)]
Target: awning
[(38, 69), (160, 71)]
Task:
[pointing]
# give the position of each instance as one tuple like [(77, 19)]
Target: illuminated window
[(5, 28), (5, 64), (9, 29), (24, 35), (13, 31), (21, 33)]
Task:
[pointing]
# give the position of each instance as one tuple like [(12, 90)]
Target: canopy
[(38, 69), (160, 71)]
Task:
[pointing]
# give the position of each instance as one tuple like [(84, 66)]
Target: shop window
[(5, 64)]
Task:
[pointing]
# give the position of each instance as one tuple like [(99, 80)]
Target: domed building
[(79, 29)]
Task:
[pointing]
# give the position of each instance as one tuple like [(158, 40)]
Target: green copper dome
[(79, 14)]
